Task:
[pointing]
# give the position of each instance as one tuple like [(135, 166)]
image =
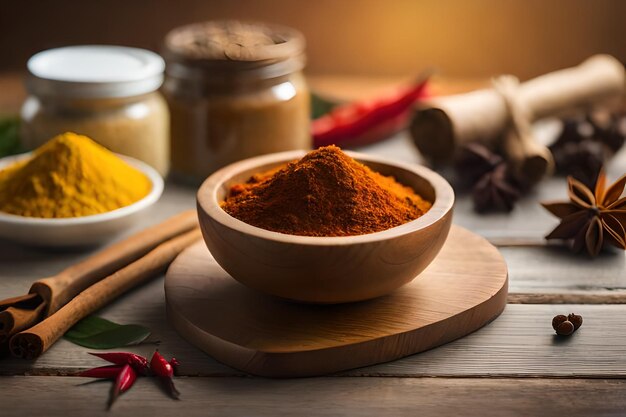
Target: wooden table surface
[(513, 366)]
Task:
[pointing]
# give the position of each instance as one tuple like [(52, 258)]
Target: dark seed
[(558, 320), (565, 329), (577, 320)]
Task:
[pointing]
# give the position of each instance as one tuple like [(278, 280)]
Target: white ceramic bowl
[(77, 231)]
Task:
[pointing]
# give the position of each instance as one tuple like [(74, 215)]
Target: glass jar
[(108, 93), (235, 91)]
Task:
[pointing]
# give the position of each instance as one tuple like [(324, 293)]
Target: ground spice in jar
[(70, 176), (235, 90), (326, 193)]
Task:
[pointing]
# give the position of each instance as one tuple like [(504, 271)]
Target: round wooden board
[(462, 290)]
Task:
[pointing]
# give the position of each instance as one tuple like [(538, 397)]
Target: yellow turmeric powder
[(70, 176)]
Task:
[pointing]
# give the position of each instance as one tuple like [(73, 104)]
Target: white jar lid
[(94, 71)]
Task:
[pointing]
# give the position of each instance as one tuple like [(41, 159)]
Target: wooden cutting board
[(462, 290)]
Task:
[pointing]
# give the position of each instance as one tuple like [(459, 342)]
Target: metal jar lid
[(94, 71), (214, 50)]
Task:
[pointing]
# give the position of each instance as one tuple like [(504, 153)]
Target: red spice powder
[(326, 193)]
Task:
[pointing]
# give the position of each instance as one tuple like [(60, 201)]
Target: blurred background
[(358, 37)]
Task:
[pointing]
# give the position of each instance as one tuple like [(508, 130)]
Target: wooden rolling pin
[(48, 295), (442, 124)]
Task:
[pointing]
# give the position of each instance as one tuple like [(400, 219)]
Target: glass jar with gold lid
[(109, 93), (235, 90)]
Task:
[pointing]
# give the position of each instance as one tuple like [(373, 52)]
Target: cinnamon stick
[(33, 342), (61, 288), (8, 302), (15, 319), (49, 294), (19, 313)]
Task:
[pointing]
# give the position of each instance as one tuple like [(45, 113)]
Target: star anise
[(608, 129), (582, 160), (495, 191), (472, 161), (587, 142), (487, 175), (591, 219)]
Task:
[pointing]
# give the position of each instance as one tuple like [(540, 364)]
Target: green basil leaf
[(321, 105), (90, 326), (9, 135), (97, 333)]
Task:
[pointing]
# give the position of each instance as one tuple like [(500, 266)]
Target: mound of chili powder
[(326, 193)]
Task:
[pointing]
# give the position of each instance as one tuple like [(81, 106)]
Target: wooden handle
[(599, 79), (36, 340), (61, 288), (529, 161), (441, 125)]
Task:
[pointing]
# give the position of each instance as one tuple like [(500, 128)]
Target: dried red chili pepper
[(139, 363), (128, 366), (164, 369), (160, 366), (175, 364), (125, 379), (108, 372), (367, 121)]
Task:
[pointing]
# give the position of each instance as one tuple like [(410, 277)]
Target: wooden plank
[(67, 397), (532, 269), (529, 268), (579, 297), (556, 270), (520, 343)]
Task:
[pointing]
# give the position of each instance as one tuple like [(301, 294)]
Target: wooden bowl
[(325, 269)]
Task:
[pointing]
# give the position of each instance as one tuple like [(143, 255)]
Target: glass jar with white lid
[(109, 93)]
